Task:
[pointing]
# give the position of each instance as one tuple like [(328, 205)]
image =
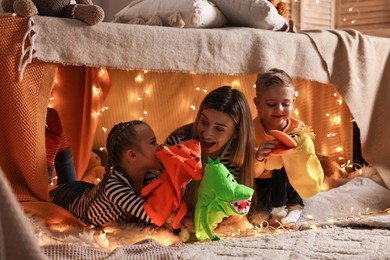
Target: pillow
[(176, 13), (260, 14)]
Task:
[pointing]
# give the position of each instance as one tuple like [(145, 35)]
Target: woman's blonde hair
[(233, 102)]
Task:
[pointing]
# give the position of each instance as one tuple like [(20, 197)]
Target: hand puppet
[(296, 153), (164, 196), (83, 10), (219, 196)]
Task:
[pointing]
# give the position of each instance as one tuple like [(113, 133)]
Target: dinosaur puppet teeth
[(241, 206)]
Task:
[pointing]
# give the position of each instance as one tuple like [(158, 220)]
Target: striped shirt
[(224, 157), (111, 200)]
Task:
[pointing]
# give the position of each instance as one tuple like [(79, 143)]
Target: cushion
[(252, 13), (176, 13)]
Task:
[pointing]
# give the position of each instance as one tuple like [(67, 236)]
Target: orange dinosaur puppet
[(182, 164)]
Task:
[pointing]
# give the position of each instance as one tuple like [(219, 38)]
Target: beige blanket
[(358, 65)]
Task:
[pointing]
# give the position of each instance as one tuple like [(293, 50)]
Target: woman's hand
[(264, 150)]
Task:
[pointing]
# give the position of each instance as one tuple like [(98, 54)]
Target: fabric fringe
[(155, 20), (176, 20), (195, 19), (137, 20), (29, 50)]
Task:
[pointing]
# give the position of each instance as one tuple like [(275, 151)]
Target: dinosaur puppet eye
[(294, 136)]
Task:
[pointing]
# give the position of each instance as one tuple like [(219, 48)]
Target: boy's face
[(276, 106)]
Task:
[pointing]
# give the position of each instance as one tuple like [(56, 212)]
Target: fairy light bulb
[(235, 83), (193, 107), (337, 120), (139, 78)]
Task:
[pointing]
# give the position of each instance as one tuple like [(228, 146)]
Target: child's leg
[(279, 188), (64, 165), (294, 205), (65, 194), (261, 207)]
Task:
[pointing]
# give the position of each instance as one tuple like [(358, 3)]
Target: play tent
[(41, 52)]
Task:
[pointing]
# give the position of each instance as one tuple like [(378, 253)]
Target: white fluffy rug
[(350, 221)]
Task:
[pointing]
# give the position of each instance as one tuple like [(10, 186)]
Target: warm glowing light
[(327, 114), (145, 71), (314, 227), (141, 118), (139, 98), (145, 112), (205, 90), (96, 91), (197, 89), (350, 9), (254, 85), (296, 93), (104, 129), (340, 101), (353, 21), (139, 78), (235, 83), (101, 148), (337, 120), (296, 112), (147, 91), (324, 153), (102, 72), (335, 94), (339, 149), (193, 107), (51, 99)]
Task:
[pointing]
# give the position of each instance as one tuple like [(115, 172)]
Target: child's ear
[(130, 154)]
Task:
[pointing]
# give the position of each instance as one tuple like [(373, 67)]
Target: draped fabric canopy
[(357, 65)]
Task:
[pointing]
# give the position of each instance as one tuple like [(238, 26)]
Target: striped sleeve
[(224, 159), (121, 193)]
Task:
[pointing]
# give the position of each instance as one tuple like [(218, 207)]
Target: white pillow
[(252, 13), (177, 13)]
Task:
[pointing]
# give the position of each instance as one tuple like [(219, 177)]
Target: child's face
[(147, 148), (276, 106), (215, 129)]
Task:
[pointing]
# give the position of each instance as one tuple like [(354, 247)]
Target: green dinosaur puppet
[(219, 196)]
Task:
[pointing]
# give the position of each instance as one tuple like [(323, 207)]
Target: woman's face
[(215, 129)]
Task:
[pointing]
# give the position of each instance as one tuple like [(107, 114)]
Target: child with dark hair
[(131, 148)]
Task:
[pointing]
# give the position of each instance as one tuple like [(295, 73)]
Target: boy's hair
[(233, 102), (122, 136), (271, 78)]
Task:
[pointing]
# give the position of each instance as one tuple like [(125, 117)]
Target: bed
[(41, 51)]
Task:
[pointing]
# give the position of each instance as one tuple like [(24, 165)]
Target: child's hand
[(264, 150)]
